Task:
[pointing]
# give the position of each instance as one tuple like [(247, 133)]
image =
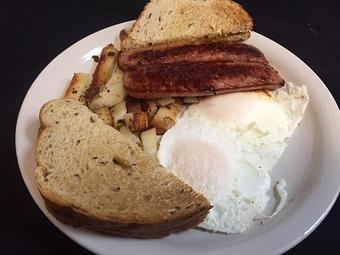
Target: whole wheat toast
[(185, 21), (90, 175)]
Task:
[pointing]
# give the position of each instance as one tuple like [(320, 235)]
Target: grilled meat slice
[(199, 79), (206, 52)]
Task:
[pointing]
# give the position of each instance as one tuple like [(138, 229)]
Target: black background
[(34, 32)]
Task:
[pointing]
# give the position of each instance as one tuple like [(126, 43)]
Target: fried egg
[(225, 146)]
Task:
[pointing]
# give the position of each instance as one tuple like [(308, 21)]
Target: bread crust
[(70, 216), (125, 44)]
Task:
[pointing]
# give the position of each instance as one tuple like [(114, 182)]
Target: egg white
[(225, 146)]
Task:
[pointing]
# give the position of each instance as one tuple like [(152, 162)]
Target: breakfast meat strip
[(196, 70), (199, 79), (206, 52)]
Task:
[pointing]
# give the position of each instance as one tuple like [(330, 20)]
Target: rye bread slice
[(90, 175), (186, 21)]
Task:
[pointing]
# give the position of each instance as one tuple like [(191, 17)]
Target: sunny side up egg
[(225, 146)]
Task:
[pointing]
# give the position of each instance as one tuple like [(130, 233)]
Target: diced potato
[(137, 121), (166, 117), (104, 114), (133, 104), (165, 101), (162, 124), (129, 120), (172, 111), (150, 107), (118, 113), (112, 93), (126, 132), (191, 100), (149, 142), (78, 86)]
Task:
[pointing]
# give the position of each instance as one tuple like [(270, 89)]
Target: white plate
[(310, 164)]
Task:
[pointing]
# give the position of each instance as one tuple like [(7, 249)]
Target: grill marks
[(208, 52), (199, 79), (196, 70)]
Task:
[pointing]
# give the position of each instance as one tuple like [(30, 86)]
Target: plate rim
[(331, 102)]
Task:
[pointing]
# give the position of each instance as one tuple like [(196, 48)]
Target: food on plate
[(132, 136), (166, 117), (222, 51), (183, 92), (193, 62), (104, 113), (77, 87), (225, 146), (199, 79), (104, 69), (132, 113), (185, 21), (104, 89), (91, 175), (118, 113), (133, 104), (149, 142), (137, 121), (150, 107), (111, 93), (202, 63)]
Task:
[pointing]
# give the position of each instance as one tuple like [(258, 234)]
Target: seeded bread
[(185, 21), (90, 175)]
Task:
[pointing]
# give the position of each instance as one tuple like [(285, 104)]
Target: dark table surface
[(34, 32)]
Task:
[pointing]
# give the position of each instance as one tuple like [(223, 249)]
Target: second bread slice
[(90, 175), (185, 21)]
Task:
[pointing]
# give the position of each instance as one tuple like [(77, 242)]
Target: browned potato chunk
[(150, 107), (106, 65), (111, 94), (118, 114), (129, 117), (104, 114), (137, 121), (162, 124), (103, 72), (166, 117), (149, 142)]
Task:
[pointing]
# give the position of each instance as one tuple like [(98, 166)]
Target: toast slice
[(91, 175), (185, 21)]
